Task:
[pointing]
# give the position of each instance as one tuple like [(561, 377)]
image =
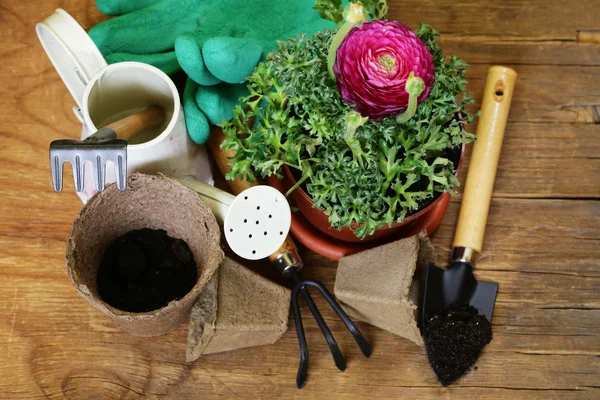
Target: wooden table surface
[(542, 244)]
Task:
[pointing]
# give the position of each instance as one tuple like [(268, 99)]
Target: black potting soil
[(454, 339), (144, 270)]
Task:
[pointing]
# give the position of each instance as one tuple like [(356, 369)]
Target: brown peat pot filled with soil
[(152, 211)]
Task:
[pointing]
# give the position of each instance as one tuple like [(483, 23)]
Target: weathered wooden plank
[(462, 393), (534, 236), (486, 49), (546, 160), (545, 290), (542, 20), (548, 94)]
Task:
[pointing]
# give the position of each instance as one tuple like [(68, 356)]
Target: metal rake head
[(98, 150)]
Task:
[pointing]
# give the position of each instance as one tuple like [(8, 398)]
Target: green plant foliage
[(364, 175)]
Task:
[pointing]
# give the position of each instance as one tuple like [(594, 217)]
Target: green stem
[(335, 44), (353, 121), (354, 14), (300, 182), (409, 112), (414, 86)]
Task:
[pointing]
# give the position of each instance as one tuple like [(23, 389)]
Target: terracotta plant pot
[(320, 221), (154, 202)]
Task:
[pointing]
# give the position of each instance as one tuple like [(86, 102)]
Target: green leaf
[(330, 10)]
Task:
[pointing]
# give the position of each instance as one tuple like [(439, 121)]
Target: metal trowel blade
[(457, 285)]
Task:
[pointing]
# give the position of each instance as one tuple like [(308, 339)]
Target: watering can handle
[(477, 196), (72, 52), (287, 255)]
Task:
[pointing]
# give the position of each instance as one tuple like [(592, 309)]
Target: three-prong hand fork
[(338, 358)]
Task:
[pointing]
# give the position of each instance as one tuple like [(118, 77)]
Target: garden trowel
[(457, 285)]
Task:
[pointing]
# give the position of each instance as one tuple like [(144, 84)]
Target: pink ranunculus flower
[(373, 63)]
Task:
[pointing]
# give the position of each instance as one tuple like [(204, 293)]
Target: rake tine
[(360, 340), (78, 173), (336, 353), (121, 171), (338, 358), (56, 167), (362, 343), (303, 367), (99, 173)]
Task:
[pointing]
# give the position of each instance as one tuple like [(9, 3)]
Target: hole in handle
[(80, 76), (499, 91)]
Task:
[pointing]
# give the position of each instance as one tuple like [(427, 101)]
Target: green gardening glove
[(218, 43)]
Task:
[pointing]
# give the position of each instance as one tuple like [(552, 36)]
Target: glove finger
[(151, 30), (217, 102), (118, 7), (166, 62), (196, 122), (231, 59), (189, 56)]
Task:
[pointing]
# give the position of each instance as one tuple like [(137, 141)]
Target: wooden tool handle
[(238, 185), (130, 126), (495, 106)]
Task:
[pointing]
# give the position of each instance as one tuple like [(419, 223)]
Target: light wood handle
[(288, 245), (477, 196), (237, 186), (130, 126)]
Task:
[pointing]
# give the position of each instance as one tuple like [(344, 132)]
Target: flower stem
[(335, 44), (354, 14), (414, 86), (353, 121), (300, 182)]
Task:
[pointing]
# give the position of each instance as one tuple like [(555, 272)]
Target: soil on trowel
[(146, 269), (454, 339)]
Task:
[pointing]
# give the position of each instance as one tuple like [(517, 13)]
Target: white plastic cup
[(105, 93)]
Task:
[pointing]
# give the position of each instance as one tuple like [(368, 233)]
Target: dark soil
[(454, 339), (146, 269)]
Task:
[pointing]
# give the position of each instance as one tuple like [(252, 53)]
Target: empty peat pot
[(153, 202)]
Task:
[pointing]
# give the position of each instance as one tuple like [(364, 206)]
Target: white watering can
[(106, 93)]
